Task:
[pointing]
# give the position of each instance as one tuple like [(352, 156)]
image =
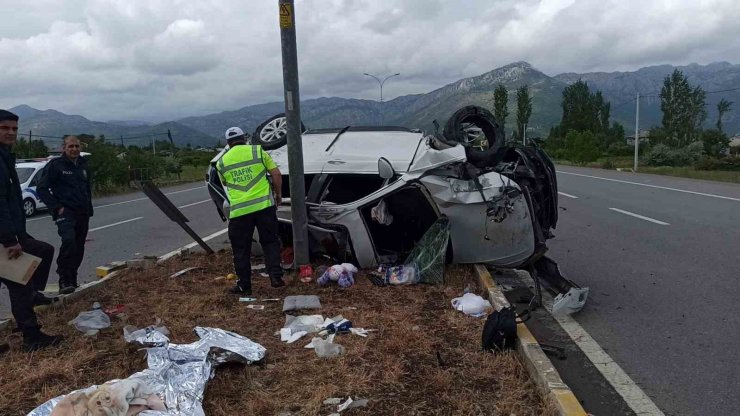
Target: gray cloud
[(162, 59)]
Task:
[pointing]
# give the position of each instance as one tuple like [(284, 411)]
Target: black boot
[(276, 281), (241, 289), (41, 299), (66, 286), (34, 339)]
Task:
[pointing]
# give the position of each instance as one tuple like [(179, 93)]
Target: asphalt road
[(128, 226), (664, 273)]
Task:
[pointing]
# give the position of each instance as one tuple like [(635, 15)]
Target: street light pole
[(381, 83)]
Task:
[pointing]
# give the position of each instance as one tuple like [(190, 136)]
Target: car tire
[(457, 131), (29, 207), (273, 132)]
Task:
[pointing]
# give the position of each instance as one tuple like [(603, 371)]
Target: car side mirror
[(385, 169)]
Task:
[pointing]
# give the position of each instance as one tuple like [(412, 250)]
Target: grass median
[(423, 358)]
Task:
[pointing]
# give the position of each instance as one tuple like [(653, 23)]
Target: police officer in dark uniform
[(15, 240), (65, 189)]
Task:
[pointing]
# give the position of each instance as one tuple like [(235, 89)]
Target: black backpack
[(499, 332)]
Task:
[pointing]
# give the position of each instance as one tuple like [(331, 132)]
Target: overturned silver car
[(373, 192)]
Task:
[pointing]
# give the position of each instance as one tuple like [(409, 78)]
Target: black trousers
[(72, 227), (21, 297), (241, 230)]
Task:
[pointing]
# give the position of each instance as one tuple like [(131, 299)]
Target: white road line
[(651, 186), (632, 214), (120, 203), (194, 203), (568, 195), (632, 394), (185, 190), (114, 224), (144, 199), (173, 253)]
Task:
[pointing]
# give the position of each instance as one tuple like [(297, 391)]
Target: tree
[(684, 110), (581, 147), (500, 106), (715, 142), (36, 148), (723, 106), (523, 109)]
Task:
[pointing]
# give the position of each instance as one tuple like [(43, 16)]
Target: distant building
[(644, 137), (735, 141)]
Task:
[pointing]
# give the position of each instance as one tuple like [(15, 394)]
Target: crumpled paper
[(178, 373)]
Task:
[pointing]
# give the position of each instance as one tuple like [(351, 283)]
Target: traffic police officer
[(243, 171), (65, 189)]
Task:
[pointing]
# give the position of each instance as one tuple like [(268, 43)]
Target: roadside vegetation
[(115, 169), (423, 357), (681, 146)]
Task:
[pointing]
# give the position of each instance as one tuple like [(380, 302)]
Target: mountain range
[(419, 110)]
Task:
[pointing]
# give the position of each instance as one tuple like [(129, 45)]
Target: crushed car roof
[(353, 151)]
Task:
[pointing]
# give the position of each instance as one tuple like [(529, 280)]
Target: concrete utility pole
[(295, 144), (30, 140), (524, 135), (381, 83), (637, 131)]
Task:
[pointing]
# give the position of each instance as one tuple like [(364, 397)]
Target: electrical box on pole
[(295, 144)]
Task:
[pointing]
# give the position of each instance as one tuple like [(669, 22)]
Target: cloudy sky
[(156, 60)]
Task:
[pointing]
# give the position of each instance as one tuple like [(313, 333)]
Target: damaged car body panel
[(372, 193)]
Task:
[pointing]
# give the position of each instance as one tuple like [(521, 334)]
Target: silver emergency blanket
[(178, 373)]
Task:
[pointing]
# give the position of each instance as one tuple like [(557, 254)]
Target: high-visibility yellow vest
[(245, 176)]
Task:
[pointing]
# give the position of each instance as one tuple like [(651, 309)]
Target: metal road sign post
[(295, 145), (171, 211)]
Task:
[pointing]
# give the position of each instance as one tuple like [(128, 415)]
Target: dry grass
[(396, 368)]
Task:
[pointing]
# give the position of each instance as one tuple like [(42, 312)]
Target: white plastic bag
[(380, 214), (91, 321), (471, 304)]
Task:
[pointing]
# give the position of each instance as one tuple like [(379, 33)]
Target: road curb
[(538, 364), (107, 276)]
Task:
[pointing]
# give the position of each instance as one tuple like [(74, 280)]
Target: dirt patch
[(424, 358)]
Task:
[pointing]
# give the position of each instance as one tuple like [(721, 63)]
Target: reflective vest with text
[(244, 174)]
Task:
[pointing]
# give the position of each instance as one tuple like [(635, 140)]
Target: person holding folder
[(16, 241)]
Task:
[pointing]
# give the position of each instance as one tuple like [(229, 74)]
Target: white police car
[(28, 175)]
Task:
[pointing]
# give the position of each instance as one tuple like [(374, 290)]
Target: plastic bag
[(91, 321), (471, 304), (327, 349), (402, 275), (381, 214), (151, 336)]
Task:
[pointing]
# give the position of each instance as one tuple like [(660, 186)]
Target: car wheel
[(29, 207), (476, 129), (273, 132)]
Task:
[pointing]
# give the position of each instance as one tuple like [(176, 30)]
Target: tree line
[(113, 166), (586, 133)]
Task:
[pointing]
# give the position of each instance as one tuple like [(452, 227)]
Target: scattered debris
[(306, 271), (152, 336), (326, 348), (301, 302), (472, 304), (271, 300), (177, 373), (247, 299), (351, 404), (92, 321), (343, 274), (333, 401), (256, 307), (402, 275), (183, 271)]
